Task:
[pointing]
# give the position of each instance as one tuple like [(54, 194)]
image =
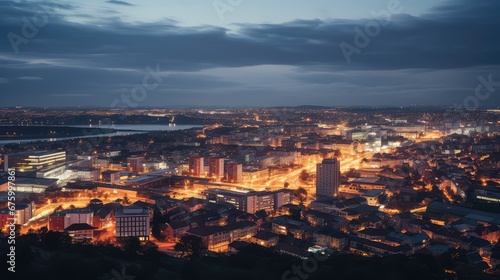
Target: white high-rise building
[(328, 178)]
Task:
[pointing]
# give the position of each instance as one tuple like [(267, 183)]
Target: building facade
[(32, 160), (328, 178), (234, 172), (216, 168), (133, 221), (196, 166)]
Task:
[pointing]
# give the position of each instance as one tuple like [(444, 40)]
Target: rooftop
[(79, 227)]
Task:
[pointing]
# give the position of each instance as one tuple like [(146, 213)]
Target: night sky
[(249, 52)]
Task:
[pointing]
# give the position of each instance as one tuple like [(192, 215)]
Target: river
[(123, 129)]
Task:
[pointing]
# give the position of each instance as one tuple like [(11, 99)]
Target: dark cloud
[(456, 41), (123, 3)]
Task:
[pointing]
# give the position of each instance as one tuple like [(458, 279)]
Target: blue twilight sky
[(249, 52)]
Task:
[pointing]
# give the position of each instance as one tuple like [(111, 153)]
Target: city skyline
[(182, 139), (215, 187), (243, 55)]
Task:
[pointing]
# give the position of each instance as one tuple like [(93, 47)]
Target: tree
[(405, 169), (415, 176), (42, 231), (338, 153), (17, 230), (55, 239), (158, 221), (191, 245), (304, 175), (58, 208), (132, 246), (126, 201), (301, 195), (150, 250)]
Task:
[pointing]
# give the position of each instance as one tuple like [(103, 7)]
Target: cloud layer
[(432, 59)]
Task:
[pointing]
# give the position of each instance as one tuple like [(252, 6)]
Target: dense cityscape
[(299, 181), (250, 140)]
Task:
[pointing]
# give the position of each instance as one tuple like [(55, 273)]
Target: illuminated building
[(331, 238), (216, 168), (111, 177), (196, 166), (374, 197), (443, 211), (265, 238), (244, 201), (80, 231), (328, 178), (255, 175), (2, 164), (282, 197), (33, 159), (487, 194), (154, 165), (134, 163), (101, 162), (174, 230), (250, 201), (86, 173), (133, 221), (234, 172), (357, 135), (30, 185), (218, 238), (61, 220), (373, 248), (23, 213), (5, 217), (285, 226)]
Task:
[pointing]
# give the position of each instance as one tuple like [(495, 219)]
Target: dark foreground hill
[(51, 255)]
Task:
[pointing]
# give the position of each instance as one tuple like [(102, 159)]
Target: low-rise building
[(286, 226), (174, 230), (331, 238), (59, 221), (79, 232), (265, 238), (111, 177), (374, 197), (133, 221), (374, 248), (218, 238)]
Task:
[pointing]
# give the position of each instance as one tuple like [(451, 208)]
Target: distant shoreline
[(35, 132)]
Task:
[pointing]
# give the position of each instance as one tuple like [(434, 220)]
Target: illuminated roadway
[(277, 181)]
